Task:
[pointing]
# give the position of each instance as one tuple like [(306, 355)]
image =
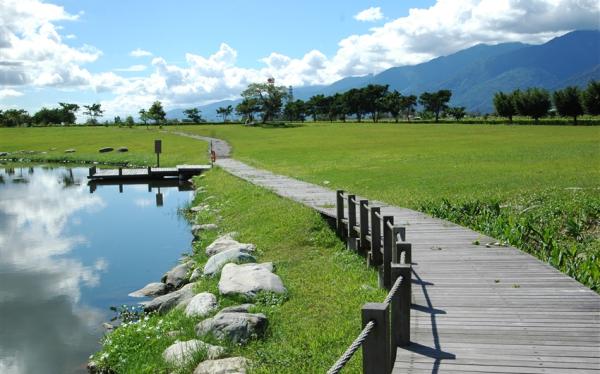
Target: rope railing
[(344, 358), (392, 293)]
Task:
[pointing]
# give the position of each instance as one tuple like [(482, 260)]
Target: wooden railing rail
[(386, 325)]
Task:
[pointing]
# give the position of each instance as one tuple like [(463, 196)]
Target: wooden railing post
[(339, 205), (364, 226), (351, 241), (149, 171), (92, 171), (376, 257), (401, 303), (388, 242), (376, 347)]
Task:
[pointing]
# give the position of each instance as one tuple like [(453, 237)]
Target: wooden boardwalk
[(476, 308)]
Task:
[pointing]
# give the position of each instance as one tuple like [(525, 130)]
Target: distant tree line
[(374, 101), (268, 102), (537, 102)]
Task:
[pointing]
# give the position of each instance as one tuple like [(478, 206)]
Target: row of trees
[(376, 101), (537, 102)]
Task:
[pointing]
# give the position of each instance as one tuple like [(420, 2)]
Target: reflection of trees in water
[(1, 179), (68, 179)]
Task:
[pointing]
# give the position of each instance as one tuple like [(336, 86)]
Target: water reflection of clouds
[(42, 328)]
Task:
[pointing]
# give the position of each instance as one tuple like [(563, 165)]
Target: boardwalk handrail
[(377, 238), (385, 326)]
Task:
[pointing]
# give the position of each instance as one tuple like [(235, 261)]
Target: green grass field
[(87, 140), (309, 327), (536, 187)]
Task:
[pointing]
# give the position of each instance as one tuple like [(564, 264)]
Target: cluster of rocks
[(239, 275)]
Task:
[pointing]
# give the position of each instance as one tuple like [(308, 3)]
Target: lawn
[(536, 187), (50, 143)]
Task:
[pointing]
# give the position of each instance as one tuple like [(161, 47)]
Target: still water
[(67, 255)]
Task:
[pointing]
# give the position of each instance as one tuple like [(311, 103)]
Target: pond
[(68, 252)]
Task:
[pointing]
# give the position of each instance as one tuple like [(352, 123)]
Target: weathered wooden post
[(376, 347), (339, 205), (351, 241), (120, 171), (364, 226), (158, 151), (375, 258), (92, 171), (401, 303), (388, 243), (149, 171)]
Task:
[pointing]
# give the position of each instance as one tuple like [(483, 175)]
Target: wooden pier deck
[(180, 171), (481, 308)]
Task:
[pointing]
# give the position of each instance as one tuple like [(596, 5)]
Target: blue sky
[(195, 52)]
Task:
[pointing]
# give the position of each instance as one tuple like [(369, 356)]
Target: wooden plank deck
[(476, 308), (182, 171)]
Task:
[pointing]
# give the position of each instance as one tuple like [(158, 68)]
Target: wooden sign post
[(157, 150)]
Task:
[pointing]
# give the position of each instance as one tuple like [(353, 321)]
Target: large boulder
[(197, 229), (199, 208), (201, 305), (231, 365), (196, 274), (150, 290), (178, 276), (249, 279), (227, 242), (181, 353), (244, 308), (237, 327), (164, 303), (216, 262)]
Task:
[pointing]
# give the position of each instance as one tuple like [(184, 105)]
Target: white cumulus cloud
[(138, 52), (132, 68), (9, 92), (369, 15)]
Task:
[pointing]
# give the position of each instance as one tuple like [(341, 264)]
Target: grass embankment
[(308, 328), (49, 144), (536, 187)]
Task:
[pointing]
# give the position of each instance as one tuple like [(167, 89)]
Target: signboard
[(158, 146)]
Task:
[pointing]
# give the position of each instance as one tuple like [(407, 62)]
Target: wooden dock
[(476, 308), (180, 171)]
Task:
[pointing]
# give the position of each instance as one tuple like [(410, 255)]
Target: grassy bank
[(309, 327), (536, 187), (50, 143)]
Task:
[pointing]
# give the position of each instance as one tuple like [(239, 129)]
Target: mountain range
[(475, 74)]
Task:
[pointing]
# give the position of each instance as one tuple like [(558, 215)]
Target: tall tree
[(407, 105), (156, 112), (435, 102), (294, 110), (268, 97), (568, 102), (45, 116), (193, 114), (533, 102), (14, 118), (505, 105), (68, 112), (373, 99), (339, 109), (144, 117), (591, 98), (355, 102), (225, 111), (457, 112), (314, 106), (93, 111), (247, 108), (392, 104)]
